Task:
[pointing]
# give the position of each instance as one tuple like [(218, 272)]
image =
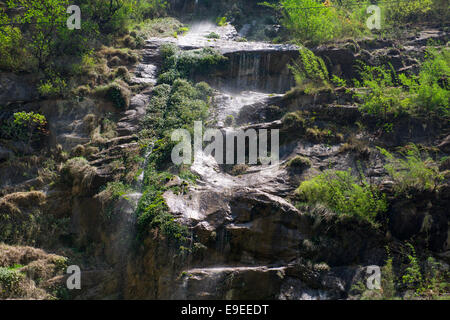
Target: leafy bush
[(213, 35), (316, 21), (117, 92), (413, 276), (152, 210), (221, 21), (430, 90), (407, 11), (9, 282), (26, 126), (52, 88), (299, 163), (13, 51), (172, 107), (424, 95), (185, 64), (412, 172), (177, 106), (382, 97), (341, 192)]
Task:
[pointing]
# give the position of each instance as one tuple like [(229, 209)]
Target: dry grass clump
[(82, 91), (104, 132), (123, 73), (118, 57), (19, 213), (318, 135), (117, 92), (12, 255), (79, 174), (356, 146), (160, 27)]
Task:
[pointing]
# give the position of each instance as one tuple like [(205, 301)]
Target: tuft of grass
[(299, 163)]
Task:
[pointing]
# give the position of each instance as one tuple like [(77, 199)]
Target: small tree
[(41, 19)]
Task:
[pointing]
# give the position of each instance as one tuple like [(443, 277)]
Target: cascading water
[(257, 73)]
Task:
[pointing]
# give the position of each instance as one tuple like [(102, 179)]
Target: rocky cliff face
[(248, 241)]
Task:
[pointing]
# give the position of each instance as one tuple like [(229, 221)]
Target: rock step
[(254, 282), (230, 269)]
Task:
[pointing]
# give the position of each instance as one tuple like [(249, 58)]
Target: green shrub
[(407, 11), (430, 90), (318, 21), (229, 120), (52, 88), (15, 55), (117, 92), (412, 172), (169, 77), (310, 71), (26, 126), (412, 277), (341, 192), (221, 21), (185, 64), (183, 30), (177, 106), (382, 97), (213, 35), (293, 121), (122, 72), (153, 212), (299, 163), (425, 95), (9, 282)]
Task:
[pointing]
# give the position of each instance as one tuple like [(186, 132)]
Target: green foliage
[(38, 34), (412, 173), (26, 126), (413, 276), (221, 21), (341, 192), (117, 92), (14, 55), (185, 64), (177, 106), (407, 11), (310, 71), (388, 279), (213, 35), (430, 90), (172, 106), (338, 82), (42, 20), (152, 210), (382, 98), (425, 95), (52, 88), (9, 281), (117, 189), (148, 9), (299, 162), (319, 21), (427, 278)]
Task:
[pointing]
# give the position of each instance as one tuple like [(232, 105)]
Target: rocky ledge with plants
[(86, 118)]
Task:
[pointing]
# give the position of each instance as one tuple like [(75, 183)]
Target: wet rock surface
[(248, 240)]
